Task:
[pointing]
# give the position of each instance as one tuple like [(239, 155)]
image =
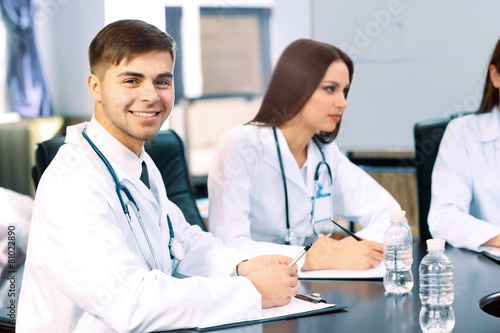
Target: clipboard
[(295, 309)]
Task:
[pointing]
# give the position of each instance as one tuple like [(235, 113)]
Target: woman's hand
[(495, 242), (348, 254)]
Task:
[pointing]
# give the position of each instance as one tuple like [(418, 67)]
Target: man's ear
[(94, 85), (495, 76)]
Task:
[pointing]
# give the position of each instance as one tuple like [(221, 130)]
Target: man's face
[(133, 100)]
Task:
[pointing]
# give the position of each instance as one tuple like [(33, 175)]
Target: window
[(235, 55)]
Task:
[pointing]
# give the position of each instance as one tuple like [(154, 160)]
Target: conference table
[(369, 309)]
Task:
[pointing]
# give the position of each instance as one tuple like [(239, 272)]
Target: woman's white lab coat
[(465, 201), (247, 201), (84, 271)]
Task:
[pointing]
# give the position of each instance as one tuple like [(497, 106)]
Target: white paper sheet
[(492, 252), (373, 273)]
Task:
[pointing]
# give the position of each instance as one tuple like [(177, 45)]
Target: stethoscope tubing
[(119, 187), (129, 220), (289, 234)]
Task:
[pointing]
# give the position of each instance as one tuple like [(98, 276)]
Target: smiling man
[(134, 98), (90, 267)]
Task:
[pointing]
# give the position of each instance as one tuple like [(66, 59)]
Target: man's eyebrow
[(131, 74), (167, 75), (135, 74)]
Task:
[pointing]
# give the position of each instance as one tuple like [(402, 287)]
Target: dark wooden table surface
[(370, 310)]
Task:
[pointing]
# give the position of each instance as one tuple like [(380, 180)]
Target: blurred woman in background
[(276, 177)]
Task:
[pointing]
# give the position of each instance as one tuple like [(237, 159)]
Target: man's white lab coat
[(84, 271)]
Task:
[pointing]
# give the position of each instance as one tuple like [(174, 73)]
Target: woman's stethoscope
[(174, 246), (289, 233)]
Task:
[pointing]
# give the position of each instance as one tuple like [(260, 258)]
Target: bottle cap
[(435, 244), (397, 215)]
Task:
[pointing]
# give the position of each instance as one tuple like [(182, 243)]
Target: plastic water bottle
[(398, 239), (436, 289), (436, 275)]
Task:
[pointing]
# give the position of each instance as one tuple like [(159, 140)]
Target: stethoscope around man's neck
[(289, 233), (175, 247)]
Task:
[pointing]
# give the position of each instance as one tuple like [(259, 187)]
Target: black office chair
[(428, 135), (166, 150), (6, 325)]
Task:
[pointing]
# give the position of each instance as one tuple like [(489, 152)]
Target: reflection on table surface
[(370, 310)]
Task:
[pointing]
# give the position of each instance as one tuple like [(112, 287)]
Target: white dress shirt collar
[(113, 149)]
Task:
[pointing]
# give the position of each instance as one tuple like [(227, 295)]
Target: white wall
[(64, 30), (414, 60), (291, 20)]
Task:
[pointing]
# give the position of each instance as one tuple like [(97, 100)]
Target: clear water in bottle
[(398, 278), (437, 318), (436, 289), (398, 258)]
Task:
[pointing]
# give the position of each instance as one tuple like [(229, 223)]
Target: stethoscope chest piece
[(177, 249), (288, 237)]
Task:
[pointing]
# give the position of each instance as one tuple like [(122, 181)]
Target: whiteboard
[(414, 60)]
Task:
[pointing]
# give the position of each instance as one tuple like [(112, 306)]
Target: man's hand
[(272, 276), (277, 284), (249, 266), (349, 254)]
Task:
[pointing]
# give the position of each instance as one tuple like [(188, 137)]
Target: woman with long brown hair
[(465, 199), (277, 182)]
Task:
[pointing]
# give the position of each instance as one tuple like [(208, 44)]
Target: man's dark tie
[(144, 175)]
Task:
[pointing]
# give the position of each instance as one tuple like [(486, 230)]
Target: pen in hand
[(301, 254)]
